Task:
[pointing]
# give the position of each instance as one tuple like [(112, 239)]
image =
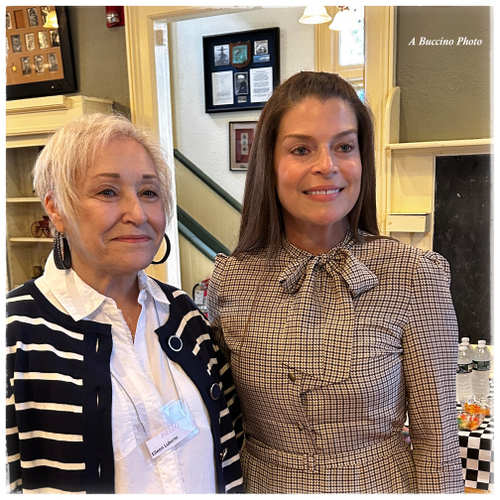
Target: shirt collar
[(81, 300), (149, 287), (75, 296)]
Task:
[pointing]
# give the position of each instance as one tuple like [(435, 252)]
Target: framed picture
[(240, 141), (39, 55), (241, 70)]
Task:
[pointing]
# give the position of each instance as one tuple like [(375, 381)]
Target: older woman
[(335, 334), (113, 384)]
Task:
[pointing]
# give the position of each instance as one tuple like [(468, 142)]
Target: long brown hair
[(262, 217)]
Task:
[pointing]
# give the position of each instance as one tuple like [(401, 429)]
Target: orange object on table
[(470, 421)]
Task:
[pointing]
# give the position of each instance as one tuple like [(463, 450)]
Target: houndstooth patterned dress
[(328, 355)]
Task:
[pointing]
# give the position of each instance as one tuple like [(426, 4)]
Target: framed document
[(241, 70), (240, 141), (39, 56)]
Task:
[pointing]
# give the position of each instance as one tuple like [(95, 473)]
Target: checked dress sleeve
[(430, 352), (214, 305)]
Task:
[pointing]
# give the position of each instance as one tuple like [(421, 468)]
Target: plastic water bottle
[(481, 371), (470, 350), (464, 373)]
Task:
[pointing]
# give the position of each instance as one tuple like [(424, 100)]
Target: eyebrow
[(117, 176), (337, 136)]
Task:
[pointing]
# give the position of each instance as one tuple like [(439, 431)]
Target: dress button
[(292, 376), (215, 392), (300, 426)]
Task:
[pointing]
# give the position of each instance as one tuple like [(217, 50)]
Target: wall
[(100, 56), (204, 138), (445, 89)]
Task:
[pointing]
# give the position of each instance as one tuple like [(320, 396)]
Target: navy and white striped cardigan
[(59, 394)]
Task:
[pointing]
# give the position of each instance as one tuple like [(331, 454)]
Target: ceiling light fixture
[(345, 20), (315, 15)]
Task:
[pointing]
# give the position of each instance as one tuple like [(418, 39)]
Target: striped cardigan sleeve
[(51, 447), (14, 481), (44, 390)]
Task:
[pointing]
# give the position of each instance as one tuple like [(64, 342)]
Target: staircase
[(208, 220)]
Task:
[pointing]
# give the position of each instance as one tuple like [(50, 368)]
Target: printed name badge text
[(167, 439)]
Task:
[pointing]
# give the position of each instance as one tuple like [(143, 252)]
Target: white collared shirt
[(141, 377)]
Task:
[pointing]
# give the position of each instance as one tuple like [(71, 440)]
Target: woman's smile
[(133, 238), (321, 193)]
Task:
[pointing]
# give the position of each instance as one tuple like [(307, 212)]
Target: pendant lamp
[(344, 20), (315, 15)]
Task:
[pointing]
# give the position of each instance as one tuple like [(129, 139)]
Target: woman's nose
[(326, 163), (133, 211)]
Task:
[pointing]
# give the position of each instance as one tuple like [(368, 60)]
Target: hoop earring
[(62, 256), (167, 251)]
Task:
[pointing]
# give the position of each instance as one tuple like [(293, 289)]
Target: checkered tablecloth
[(476, 450)]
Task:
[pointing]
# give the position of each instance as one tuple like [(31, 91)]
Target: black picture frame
[(234, 63), (65, 85)]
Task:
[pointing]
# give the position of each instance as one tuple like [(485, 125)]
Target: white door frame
[(149, 88)]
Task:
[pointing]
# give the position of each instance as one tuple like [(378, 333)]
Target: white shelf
[(30, 239), (23, 200), (471, 146), (409, 223), (42, 116)]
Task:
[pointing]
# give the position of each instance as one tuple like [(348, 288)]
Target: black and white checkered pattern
[(476, 451)]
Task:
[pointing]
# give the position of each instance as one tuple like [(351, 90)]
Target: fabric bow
[(339, 261)]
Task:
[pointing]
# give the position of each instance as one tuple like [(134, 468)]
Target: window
[(349, 53)]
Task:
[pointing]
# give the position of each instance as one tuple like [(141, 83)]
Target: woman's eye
[(301, 150), (346, 148), (107, 192), (149, 193)]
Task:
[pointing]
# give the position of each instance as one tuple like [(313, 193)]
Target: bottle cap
[(481, 343), (465, 340)]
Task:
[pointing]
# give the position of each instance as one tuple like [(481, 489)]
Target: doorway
[(149, 77)]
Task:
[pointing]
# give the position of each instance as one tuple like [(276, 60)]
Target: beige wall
[(100, 56), (445, 89)]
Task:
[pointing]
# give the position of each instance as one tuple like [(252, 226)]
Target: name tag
[(168, 439), (180, 428)]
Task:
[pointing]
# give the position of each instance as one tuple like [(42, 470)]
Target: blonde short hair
[(75, 147)]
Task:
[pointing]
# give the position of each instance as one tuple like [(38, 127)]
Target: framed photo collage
[(39, 59), (241, 70)]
